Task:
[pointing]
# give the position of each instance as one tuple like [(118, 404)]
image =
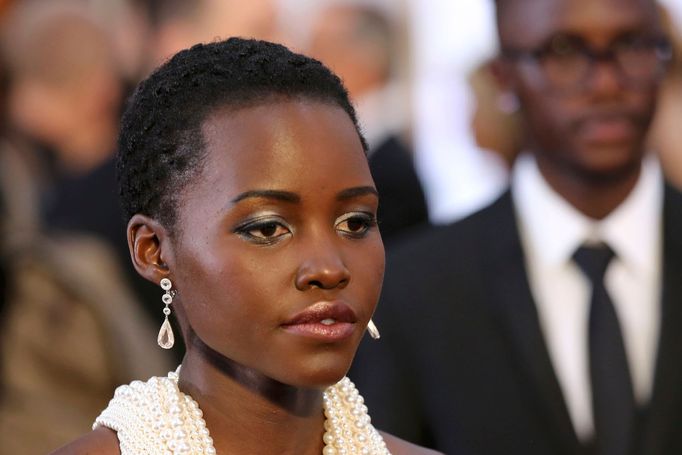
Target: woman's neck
[(247, 412)]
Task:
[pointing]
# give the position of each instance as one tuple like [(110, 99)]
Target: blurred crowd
[(76, 319)]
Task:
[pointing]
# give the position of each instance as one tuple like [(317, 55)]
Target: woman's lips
[(323, 321), (330, 333)]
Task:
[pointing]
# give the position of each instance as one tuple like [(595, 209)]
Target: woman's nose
[(324, 269)]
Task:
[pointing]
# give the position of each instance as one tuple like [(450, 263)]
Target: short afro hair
[(161, 146)]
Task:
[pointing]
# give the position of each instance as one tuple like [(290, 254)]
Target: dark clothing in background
[(3, 284), (462, 364), (3, 260), (70, 334), (401, 199), (70, 330), (90, 204)]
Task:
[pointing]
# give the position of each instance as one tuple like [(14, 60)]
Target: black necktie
[(613, 402)]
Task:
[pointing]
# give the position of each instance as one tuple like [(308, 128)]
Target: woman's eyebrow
[(285, 196), (355, 192), (288, 196)]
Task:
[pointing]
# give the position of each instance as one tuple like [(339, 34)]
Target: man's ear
[(502, 72), (150, 247)]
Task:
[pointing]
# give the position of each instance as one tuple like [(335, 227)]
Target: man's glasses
[(566, 62)]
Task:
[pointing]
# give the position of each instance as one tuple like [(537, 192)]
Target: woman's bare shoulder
[(101, 441), (398, 446)]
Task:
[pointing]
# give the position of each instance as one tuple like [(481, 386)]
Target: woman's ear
[(149, 246)]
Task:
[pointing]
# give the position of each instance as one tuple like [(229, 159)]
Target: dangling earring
[(166, 339), (373, 331)]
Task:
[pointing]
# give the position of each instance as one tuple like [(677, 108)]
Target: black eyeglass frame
[(661, 45)]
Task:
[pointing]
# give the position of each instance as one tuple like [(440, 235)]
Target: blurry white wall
[(675, 9)]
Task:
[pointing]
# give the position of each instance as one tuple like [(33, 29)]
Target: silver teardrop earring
[(166, 339), (373, 331)]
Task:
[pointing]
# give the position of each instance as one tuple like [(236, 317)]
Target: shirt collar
[(552, 229), (635, 229)]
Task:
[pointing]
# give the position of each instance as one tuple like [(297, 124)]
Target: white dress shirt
[(551, 230)]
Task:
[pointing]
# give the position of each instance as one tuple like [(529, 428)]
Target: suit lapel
[(664, 414), (513, 305)]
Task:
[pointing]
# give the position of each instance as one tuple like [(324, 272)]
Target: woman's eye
[(267, 230), (356, 224), (263, 231)]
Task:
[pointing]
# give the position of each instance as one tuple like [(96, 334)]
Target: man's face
[(587, 74)]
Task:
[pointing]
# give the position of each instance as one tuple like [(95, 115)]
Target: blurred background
[(76, 320)]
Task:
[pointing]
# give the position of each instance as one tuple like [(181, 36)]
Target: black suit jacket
[(462, 365), (402, 205)]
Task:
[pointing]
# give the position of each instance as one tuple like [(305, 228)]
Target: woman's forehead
[(280, 143)]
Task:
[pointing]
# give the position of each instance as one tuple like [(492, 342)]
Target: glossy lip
[(308, 323)]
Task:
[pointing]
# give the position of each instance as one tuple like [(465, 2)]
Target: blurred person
[(359, 41), (666, 134), (3, 277), (549, 322), (70, 333), (64, 101), (3, 259), (178, 24), (127, 26), (69, 330), (244, 175), (64, 90)]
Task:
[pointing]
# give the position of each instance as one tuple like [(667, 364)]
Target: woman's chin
[(316, 375)]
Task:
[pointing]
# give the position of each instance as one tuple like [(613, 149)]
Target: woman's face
[(277, 259)]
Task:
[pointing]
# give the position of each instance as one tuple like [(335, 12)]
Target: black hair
[(161, 146)]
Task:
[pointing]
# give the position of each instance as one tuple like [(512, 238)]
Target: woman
[(243, 173)]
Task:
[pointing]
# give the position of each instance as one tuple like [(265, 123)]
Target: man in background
[(179, 24), (549, 322)]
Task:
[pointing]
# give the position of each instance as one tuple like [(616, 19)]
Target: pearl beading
[(348, 427), (155, 417)]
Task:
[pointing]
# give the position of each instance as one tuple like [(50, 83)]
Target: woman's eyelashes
[(270, 230), (264, 231), (356, 224)]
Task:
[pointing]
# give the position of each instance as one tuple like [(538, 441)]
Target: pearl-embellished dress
[(155, 417)]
